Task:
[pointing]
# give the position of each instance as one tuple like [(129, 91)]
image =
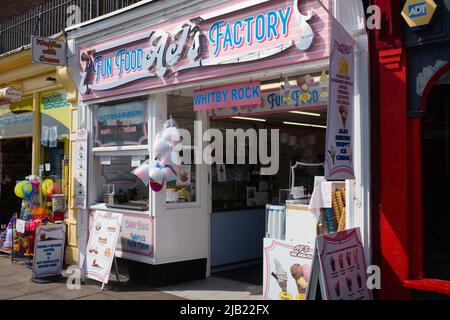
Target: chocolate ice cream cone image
[(337, 288), (343, 110), (359, 280), (341, 261), (348, 256), (349, 284), (333, 264)]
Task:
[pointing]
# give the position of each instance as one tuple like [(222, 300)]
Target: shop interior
[(239, 192), (15, 163)]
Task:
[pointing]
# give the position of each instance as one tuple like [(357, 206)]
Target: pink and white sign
[(339, 141), (342, 266), (315, 98), (264, 36), (240, 94)]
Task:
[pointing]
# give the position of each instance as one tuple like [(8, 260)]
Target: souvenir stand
[(42, 204)]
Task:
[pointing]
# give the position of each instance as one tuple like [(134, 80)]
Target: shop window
[(302, 129), (118, 186), (183, 189), (123, 124), (55, 129), (120, 143)]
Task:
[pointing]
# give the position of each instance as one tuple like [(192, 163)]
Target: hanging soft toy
[(167, 163)]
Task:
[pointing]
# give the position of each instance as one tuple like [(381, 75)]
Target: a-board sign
[(49, 250), (339, 267), (102, 243)]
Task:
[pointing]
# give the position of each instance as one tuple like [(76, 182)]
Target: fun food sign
[(192, 48)]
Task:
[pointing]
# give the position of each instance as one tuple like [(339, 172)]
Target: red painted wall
[(390, 152)]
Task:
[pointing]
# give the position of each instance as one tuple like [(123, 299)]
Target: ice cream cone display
[(343, 110), (341, 226)]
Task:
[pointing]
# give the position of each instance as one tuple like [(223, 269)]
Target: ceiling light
[(304, 124), (250, 119), (306, 113)]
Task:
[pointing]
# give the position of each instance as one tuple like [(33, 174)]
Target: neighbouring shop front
[(217, 218), (35, 126)]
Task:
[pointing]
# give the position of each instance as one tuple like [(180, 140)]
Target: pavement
[(16, 284)]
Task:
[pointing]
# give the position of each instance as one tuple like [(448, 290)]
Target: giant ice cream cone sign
[(339, 144)]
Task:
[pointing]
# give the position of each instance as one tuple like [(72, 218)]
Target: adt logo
[(417, 10)]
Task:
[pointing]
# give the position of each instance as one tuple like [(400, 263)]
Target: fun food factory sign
[(192, 49)]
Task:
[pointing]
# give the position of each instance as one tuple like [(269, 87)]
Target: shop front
[(413, 61), (36, 112), (217, 72)]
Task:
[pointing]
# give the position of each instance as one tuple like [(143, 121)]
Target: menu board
[(81, 169), (123, 124), (340, 265), (48, 257), (102, 245), (287, 268)]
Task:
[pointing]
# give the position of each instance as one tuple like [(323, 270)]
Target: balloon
[(47, 187), (160, 147), (56, 188), (18, 189), (170, 174), (171, 134), (155, 186), (28, 190), (157, 174)]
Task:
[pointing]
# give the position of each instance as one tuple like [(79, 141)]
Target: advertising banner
[(339, 139), (136, 235), (339, 262), (102, 243), (273, 101), (286, 268), (48, 51), (49, 250)]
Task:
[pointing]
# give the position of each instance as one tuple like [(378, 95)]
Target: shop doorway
[(436, 180), (240, 193), (15, 164)]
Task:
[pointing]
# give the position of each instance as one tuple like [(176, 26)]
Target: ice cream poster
[(287, 268), (339, 139), (343, 266)]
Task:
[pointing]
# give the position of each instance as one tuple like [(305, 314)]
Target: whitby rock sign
[(279, 26)]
